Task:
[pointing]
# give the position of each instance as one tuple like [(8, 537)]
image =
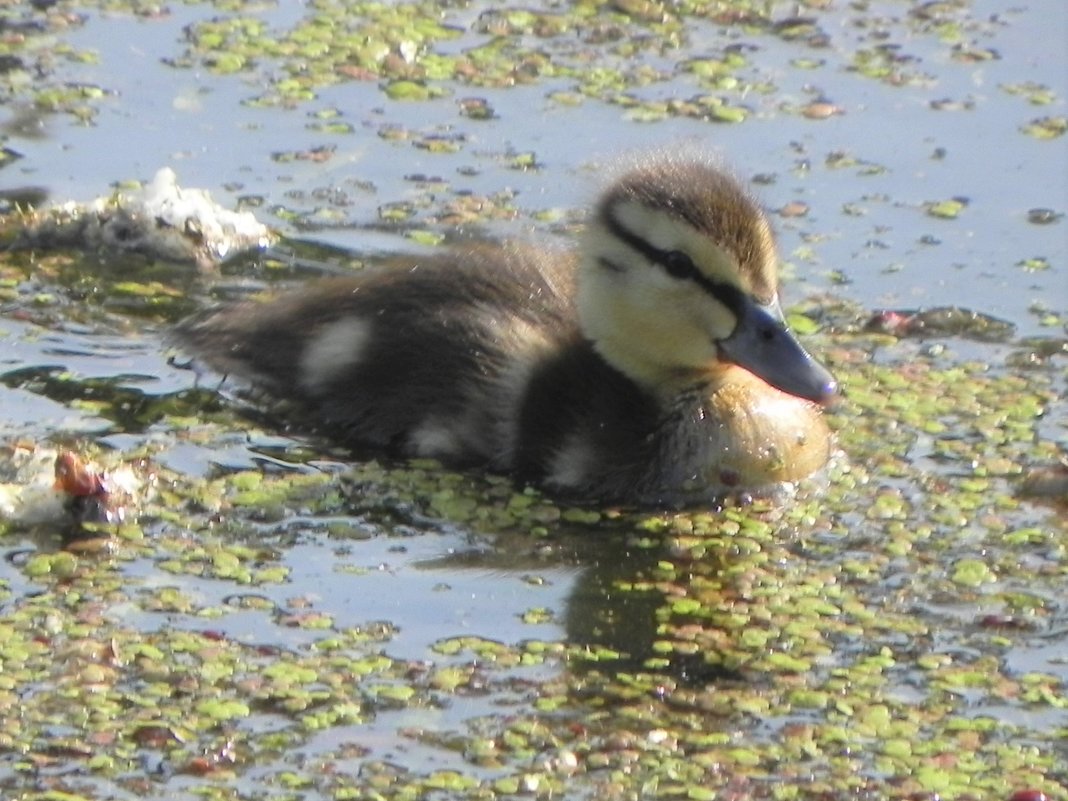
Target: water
[(866, 238)]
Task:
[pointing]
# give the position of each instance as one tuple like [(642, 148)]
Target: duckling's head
[(679, 280)]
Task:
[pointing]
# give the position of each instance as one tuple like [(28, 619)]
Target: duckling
[(651, 366)]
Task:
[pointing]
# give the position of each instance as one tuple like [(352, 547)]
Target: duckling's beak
[(763, 345)]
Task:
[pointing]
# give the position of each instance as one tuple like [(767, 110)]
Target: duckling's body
[(613, 373)]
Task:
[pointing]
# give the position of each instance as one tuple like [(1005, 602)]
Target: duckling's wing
[(428, 357)]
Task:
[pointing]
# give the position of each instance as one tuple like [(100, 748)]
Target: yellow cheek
[(671, 329)]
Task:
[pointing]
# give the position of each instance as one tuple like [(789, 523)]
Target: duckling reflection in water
[(652, 366)]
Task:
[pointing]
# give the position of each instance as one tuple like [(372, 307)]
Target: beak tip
[(828, 393)]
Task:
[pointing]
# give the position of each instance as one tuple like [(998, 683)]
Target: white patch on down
[(335, 348), (527, 345), (435, 439), (570, 465)]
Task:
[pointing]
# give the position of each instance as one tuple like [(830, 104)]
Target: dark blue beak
[(763, 345)]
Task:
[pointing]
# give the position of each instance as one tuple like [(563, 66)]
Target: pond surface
[(287, 621)]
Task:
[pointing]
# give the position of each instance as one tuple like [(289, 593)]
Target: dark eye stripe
[(727, 294)]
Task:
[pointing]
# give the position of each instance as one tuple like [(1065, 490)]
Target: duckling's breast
[(587, 429), (757, 435)]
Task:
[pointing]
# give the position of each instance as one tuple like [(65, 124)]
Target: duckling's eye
[(678, 264)]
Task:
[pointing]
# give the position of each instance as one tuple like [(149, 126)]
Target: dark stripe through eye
[(679, 265)]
